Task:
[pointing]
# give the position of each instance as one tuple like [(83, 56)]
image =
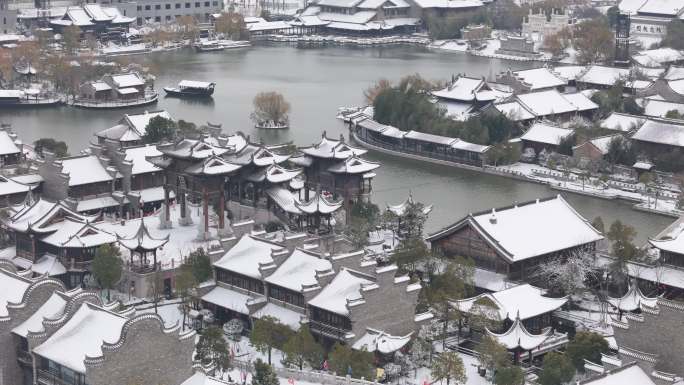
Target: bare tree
[(270, 109), (569, 274)]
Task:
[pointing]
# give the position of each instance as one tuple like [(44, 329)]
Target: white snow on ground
[(167, 310), (182, 239), (666, 204)]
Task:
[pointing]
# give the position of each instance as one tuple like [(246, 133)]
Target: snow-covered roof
[(127, 80), (547, 102), (285, 199), (569, 72), (117, 16), (630, 374), (524, 301), (658, 57), (602, 143), (39, 217), (8, 143), (540, 78), (275, 174), (214, 165), (246, 256), (96, 203), (517, 336), (298, 270), (339, 3), (78, 16), (53, 308), (343, 288), (375, 340), (373, 4), (354, 165), (9, 187), (661, 132), (127, 90), (195, 84), (671, 239), (542, 221), (580, 101), (318, 204), (100, 86), (13, 289), (48, 265), (662, 7), (463, 89), (268, 26), (630, 6), (676, 86), (142, 240), (137, 156), (84, 170), (400, 209), (140, 121), (96, 12), (604, 76), (431, 138), (330, 148), (546, 133), (660, 108), (449, 3), (674, 73), (77, 234), (514, 110), (82, 336), (228, 299), (194, 149), (622, 122), (285, 316), (632, 300)]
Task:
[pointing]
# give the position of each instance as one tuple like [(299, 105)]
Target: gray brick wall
[(146, 355), (36, 295), (659, 334)]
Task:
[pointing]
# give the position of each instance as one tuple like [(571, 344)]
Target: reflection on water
[(316, 82)]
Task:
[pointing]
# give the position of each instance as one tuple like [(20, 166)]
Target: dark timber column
[(205, 207), (222, 207)]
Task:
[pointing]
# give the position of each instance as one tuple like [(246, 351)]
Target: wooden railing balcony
[(328, 330), (48, 378)]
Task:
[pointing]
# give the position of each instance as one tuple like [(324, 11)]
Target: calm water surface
[(316, 82)]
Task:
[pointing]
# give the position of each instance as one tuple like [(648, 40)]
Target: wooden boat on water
[(209, 46), (191, 89)]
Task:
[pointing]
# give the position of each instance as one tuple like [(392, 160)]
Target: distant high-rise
[(622, 40)]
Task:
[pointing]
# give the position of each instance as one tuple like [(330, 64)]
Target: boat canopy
[(195, 84)]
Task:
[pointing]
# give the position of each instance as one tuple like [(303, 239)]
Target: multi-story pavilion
[(254, 181)]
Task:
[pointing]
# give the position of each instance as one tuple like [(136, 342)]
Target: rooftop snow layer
[(661, 132), (84, 170), (82, 336), (344, 287), (244, 258), (298, 270), (13, 289), (550, 225), (546, 133)]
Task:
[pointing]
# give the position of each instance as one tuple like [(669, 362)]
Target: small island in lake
[(270, 111)]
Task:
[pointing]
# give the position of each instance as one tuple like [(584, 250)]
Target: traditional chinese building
[(45, 227), (342, 297), (513, 240)]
